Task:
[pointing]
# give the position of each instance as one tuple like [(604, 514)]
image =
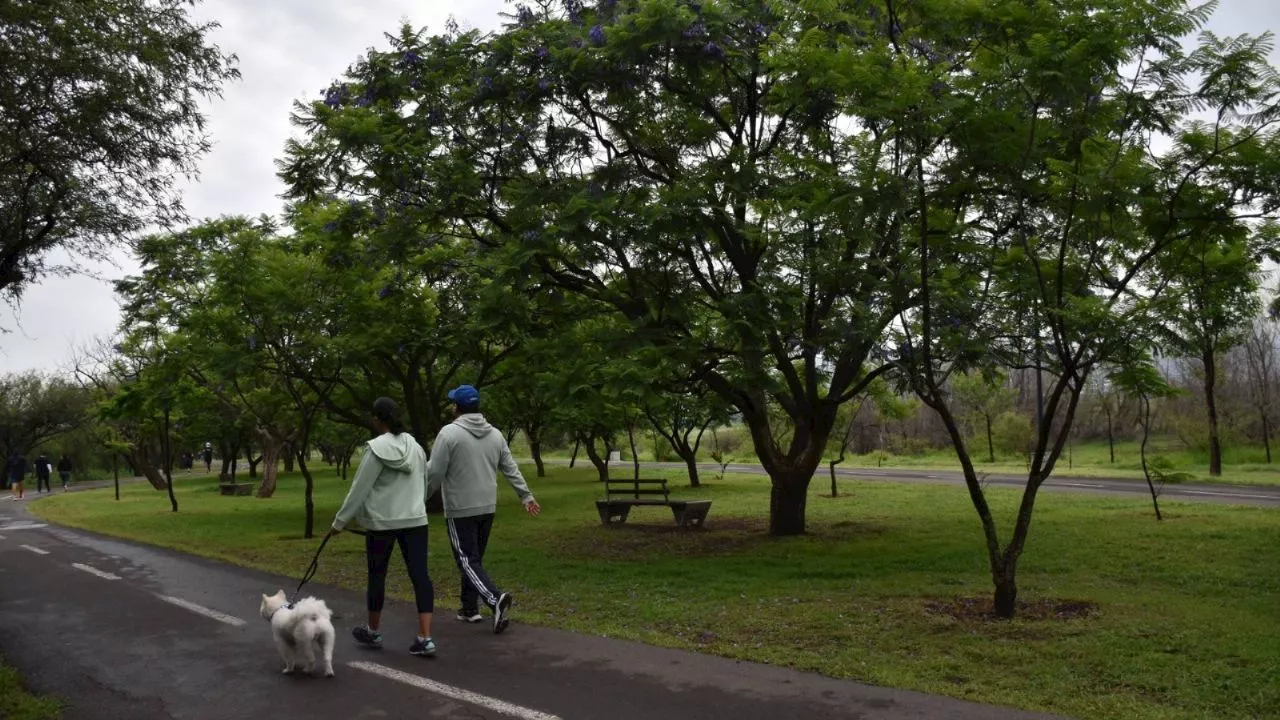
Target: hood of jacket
[(474, 423), (393, 450)]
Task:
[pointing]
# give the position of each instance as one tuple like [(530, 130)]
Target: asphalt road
[(1257, 495), (127, 632)]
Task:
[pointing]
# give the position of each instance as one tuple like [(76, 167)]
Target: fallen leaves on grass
[(973, 608)]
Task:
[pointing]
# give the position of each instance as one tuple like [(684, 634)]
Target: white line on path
[(455, 693), (202, 610), (36, 550), (1222, 494), (22, 526), (95, 571)]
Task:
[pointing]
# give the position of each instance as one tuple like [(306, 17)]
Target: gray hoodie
[(389, 491), (465, 460)]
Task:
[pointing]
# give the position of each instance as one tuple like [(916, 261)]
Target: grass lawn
[(1242, 464), (1186, 625), (17, 704)]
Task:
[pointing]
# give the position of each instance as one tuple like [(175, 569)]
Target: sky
[(290, 50)]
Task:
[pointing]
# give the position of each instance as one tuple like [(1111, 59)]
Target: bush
[(1013, 434)]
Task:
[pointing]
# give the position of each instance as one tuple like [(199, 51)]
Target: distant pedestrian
[(64, 470), (17, 472), (388, 497), (208, 457), (465, 460), (44, 470)]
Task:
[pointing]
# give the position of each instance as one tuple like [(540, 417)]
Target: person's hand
[(533, 508)]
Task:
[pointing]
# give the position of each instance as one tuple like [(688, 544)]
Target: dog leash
[(315, 564)]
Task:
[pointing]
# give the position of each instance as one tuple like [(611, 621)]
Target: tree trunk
[(835, 491), (1142, 453), (1005, 600), (309, 532), (690, 457), (168, 462), (635, 456), (288, 459), (1111, 438), (1211, 402), (1266, 436), (787, 502), (270, 465), (574, 457), (535, 449), (991, 446), (602, 466), (115, 472)]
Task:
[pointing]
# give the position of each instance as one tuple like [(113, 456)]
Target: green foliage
[(35, 409), (102, 113)]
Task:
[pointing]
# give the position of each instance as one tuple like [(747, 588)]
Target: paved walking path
[(128, 632)]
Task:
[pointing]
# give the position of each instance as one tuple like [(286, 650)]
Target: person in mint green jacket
[(465, 460), (388, 498)]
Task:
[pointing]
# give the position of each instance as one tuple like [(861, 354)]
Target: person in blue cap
[(465, 460)]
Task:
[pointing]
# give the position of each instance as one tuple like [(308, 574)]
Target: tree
[(1211, 300), (683, 418), (35, 409), (1260, 360), (1052, 251), (101, 112), (1140, 379), (985, 398), (691, 166)]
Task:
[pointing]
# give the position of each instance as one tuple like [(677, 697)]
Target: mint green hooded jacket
[(389, 491)]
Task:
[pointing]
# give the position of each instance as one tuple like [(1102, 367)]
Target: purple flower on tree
[(713, 50), (385, 292), (597, 35), (410, 58), (542, 53), (334, 96), (761, 29), (695, 31), (253, 342), (544, 84), (530, 235), (331, 227)]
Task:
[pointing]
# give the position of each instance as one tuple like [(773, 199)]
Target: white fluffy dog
[(302, 631)]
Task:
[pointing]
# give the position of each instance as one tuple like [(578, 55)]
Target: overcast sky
[(291, 49)]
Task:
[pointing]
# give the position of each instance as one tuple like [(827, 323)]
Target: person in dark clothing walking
[(465, 460), (64, 470), (44, 469), (388, 498), (208, 457), (17, 472)]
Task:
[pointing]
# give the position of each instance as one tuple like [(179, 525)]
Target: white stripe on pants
[(465, 562)]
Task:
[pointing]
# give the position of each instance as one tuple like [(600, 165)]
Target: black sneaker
[(367, 637), (470, 616), (500, 611), (423, 648)]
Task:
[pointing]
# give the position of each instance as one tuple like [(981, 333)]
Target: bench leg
[(608, 513), (687, 517), (690, 517)]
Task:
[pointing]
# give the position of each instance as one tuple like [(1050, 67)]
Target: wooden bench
[(237, 489), (622, 495)]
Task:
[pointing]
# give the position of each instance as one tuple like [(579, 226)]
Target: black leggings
[(378, 546)]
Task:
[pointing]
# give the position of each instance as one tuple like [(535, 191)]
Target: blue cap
[(464, 395)]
